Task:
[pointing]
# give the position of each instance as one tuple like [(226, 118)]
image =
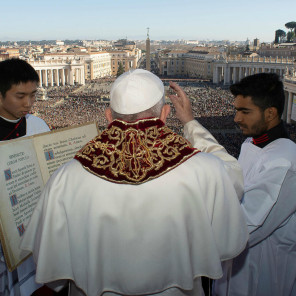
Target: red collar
[(274, 133), (261, 139)]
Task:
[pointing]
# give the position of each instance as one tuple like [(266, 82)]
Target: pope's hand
[(182, 103)]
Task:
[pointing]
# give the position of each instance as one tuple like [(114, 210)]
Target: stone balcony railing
[(259, 59)]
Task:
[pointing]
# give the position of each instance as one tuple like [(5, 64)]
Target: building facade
[(191, 64), (71, 68), (97, 65), (278, 50), (172, 64), (8, 53), (128, 58)]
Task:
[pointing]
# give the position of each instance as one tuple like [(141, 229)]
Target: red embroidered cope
[(134, 153)]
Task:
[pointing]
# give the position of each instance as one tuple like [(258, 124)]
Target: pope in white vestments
[(138, 211)]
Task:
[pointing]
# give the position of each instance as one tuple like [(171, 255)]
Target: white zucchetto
[(135, 91)]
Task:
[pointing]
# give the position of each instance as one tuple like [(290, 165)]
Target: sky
[(233, 20)]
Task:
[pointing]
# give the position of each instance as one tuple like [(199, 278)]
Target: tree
[(279, 35), (120, 69), (290, 36), (292, 27)]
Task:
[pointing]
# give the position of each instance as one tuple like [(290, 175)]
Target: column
[(248, 70), (71, 76), (40, 78), (215, 75), (245, 72), (57, 77), (51, 77), (289, 108), (66, 76), (63, 77), (234, 74), (82, 76), (45, 78), (240, 73), (226, 74)]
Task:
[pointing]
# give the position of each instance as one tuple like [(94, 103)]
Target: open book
[(25, 166)]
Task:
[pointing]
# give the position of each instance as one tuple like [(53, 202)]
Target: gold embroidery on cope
[(126, 154)]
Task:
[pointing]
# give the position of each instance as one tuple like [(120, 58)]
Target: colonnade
[(230, 71), (61, 76), (52, 73)]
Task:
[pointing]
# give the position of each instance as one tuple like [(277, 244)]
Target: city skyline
[(167, 20)]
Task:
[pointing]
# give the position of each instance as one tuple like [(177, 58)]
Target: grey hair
[(154, 111)]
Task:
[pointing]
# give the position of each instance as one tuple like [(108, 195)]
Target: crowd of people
[(71, 105), (212, 106)]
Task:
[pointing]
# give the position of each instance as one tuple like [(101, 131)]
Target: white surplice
[(267, 266), (35, 125)]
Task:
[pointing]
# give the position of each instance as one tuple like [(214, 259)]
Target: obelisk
[(148, 67)]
